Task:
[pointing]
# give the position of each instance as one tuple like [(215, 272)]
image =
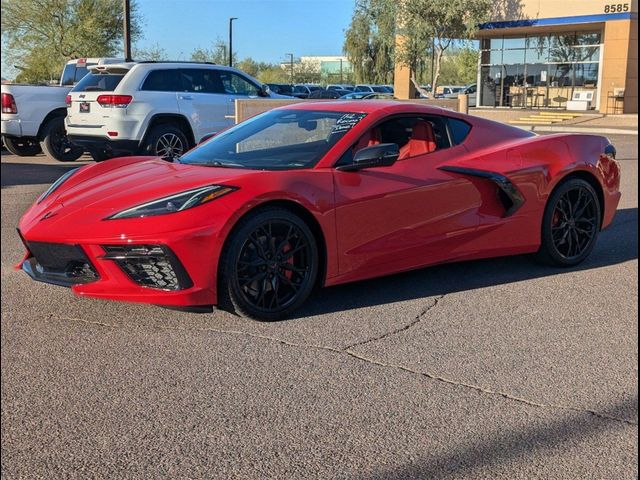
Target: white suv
[(154, 108)]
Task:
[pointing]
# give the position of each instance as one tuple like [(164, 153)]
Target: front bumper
[(180, 272)]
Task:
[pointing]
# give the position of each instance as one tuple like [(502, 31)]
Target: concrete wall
[(248, 108), (505, 10)]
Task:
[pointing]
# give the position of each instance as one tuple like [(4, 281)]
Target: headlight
[(175, 203), (54, 186)]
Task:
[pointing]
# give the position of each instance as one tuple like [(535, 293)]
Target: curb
[(575, 129)]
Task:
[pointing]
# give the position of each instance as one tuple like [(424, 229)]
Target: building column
[(620, 63), (403, 87)]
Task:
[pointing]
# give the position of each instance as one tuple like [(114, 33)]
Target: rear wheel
[(55, 143), (269, 265), (22, 147), (571, 224), (166, 141)]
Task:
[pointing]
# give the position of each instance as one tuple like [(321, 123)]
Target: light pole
[(290, 67), (231, 40), (127, 30)]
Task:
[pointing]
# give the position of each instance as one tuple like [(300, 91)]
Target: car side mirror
[(382, 155)]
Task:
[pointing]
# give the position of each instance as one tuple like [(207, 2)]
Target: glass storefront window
[(538, 70), (511, 57), (588, 38), (586, 54), (491, 57), (518, 42), (586, 75)]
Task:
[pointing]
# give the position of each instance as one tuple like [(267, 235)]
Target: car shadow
[(616, 244), (14, 174), (508, 447)]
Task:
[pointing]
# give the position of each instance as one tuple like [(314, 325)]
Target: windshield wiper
[(218, 163)]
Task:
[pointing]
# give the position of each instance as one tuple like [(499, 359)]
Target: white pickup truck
[(33, 115)]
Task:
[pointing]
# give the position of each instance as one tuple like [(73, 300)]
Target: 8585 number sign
[(616, 8)]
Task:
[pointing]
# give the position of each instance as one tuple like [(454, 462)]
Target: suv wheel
[(55, 143), (166, 141), (21, 147)]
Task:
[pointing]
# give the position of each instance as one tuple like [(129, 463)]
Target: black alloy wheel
[(270, 265), (571, 223), (22, 147)]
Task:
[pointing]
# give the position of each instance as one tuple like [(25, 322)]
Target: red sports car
[(317, 194)]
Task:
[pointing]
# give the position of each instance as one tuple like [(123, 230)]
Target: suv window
[(200, 80), (300, 89), (98, 82), (236, 85), (161, 81)]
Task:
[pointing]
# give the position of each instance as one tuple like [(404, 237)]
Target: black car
[(281, 88), (327, 94)]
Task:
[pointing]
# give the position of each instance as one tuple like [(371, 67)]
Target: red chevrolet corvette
[(318, 194)]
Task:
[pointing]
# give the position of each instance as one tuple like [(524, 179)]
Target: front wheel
[(571, 224), (269, 265), (22, 147), (55, 143)]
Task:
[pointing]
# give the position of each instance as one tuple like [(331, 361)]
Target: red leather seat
[(372, 137), (422, 141)]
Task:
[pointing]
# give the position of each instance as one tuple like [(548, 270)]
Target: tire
[(166, 141), (570, 225), (55, 143), (268, 266), (22, 147), (100, 155)]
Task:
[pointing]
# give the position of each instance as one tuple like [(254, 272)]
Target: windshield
[(98, 82), (275, 140)]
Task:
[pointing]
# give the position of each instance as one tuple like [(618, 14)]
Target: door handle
[(185, 97)]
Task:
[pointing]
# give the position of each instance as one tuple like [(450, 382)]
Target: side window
[(415, 135), (234, 84), (68, 74), (459, 130), (161, 81), (200, 80), (80, 73)]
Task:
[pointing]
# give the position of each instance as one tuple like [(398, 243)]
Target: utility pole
[(340, 70), (290, 67), (127, 30), (231, 40)]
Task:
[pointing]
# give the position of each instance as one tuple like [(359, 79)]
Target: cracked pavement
[(491, 369)]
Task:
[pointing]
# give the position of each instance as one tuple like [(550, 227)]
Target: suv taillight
[(68, 100), (8, 103), (114, 101)]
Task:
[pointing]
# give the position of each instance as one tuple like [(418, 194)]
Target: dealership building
[(571, 54)]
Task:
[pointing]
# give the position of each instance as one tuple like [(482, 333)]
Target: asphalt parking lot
[(490, 369)]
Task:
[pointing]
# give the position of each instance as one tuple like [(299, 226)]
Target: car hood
[(104, 189)]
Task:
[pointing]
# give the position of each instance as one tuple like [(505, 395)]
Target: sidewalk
[(591, 122)]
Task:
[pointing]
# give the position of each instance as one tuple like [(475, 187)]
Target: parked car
[(304, 90), (281, 88), (252, 222), (340, 86), (367, 96), (448, 91), (33, 115), (371, 89), (327, 94), (472, 93), (155, 108)]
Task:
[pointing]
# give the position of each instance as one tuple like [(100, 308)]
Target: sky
[(266, 30)]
